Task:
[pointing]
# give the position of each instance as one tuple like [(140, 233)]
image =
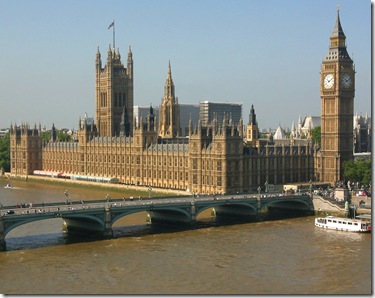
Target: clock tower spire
[(337, 107)]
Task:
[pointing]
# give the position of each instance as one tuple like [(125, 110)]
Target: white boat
[(8, 186), (343, 224)]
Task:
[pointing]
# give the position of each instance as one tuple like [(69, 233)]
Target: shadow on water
[(279, 214), (34, 241), (138, 230), (207, 222), (45, 240)]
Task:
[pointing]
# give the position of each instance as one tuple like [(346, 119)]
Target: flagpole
[(113, 25), (114, 45)]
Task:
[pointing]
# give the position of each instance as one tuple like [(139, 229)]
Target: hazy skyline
[(266, 52)]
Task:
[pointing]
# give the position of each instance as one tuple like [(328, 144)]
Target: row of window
[(343, 222), (208, 180), (137, 173), (119, 99), (147, 160)]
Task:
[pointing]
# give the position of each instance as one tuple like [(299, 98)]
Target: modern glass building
[(208, 110)]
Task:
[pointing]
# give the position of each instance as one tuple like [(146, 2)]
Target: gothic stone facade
[(337, 87), (215, 158)]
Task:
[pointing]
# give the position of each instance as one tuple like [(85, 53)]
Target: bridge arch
[(90, 224), (291, 203), (231, 208), (158, 214), (171, 216), (116, 216), (11, 226)]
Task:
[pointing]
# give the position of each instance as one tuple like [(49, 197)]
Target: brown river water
[(280, 256)]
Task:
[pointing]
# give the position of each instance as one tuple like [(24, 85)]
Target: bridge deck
[(100, 215)]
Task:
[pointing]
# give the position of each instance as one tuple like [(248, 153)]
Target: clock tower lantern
[(337, 108)]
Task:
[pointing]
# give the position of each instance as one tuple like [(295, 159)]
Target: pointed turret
[(299, 129), (151, 119), (118, 55), (252, 116), (337, 30), (109, 55), (252, 128), (240, 127), (169, 110), (169, 86), (293, 131), (337, 48), (53, 133), (98, 61), (224, 125), (130, 63)]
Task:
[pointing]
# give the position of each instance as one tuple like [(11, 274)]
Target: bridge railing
[(154, 200)]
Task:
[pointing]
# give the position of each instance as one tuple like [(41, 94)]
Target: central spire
[(169, 126), (169, 86)]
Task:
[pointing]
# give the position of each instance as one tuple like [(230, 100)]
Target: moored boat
[(343, 224)]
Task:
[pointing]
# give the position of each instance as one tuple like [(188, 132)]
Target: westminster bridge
[(97, 217)]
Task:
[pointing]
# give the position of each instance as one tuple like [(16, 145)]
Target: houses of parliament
[(215, 157)]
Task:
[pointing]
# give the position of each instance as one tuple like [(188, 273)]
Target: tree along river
[(278, 256)]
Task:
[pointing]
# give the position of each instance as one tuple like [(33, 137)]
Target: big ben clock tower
[(337, 107)]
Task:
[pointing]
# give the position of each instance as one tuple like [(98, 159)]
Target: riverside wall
[(95, 184), (321, 204)]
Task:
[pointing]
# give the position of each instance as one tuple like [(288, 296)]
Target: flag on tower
[(111, 25)]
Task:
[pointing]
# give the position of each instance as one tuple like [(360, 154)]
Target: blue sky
[(262, 52)]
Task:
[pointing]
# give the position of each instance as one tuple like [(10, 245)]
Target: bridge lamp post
[(311, 187), (266, 186), (66, 193), (214, 189), (258, 203), (149, 191)]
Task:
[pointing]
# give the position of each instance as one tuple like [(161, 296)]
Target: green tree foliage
[(60, 135), (63, 137), (316, 135), (5, 153), (46, 136), (358, 170)]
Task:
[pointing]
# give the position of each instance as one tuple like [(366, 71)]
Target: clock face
[(346, 81), (328, 81)]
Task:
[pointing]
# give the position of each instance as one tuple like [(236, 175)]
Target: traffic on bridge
[(69, 205)]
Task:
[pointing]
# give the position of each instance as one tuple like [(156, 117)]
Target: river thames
[(284, 256)]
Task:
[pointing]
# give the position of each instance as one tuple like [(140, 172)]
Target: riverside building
[(214, 158), (218, 156), (337, 88)]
